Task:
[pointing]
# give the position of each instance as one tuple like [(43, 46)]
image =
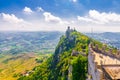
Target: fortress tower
[(68, 32)]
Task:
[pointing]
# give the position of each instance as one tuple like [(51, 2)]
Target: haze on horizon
[(56, 15)]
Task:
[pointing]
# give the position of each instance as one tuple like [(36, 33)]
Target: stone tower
[(68, 32)]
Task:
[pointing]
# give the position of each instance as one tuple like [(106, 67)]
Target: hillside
[(70, 59), (68, 62)]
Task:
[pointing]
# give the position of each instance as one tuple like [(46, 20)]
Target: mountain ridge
[(70, 59)]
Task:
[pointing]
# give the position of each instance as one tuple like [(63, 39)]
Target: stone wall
[(93, 68), (108, 53)]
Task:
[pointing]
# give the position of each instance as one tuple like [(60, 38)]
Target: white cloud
[(100, 18), (27, 10), (74, 0), (10, 22), (40, 9), (86, 19), (104, 17), (98, 21), (54, 19), (11, 18), (50, 18)]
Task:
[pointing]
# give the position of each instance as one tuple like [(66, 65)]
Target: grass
[(18, 64)]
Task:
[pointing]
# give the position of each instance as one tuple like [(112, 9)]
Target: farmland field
[(12, 66), (21, 52)]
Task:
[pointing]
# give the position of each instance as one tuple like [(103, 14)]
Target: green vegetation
[(69, 60), (79, 68), (63, 65)]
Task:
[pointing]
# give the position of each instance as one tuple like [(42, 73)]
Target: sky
[(57, 15)]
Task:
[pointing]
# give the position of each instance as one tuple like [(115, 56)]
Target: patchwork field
[(13, 66), (20, 52)]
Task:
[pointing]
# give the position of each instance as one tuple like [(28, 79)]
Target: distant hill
[(23, 42), (110, 35), (110, 38)]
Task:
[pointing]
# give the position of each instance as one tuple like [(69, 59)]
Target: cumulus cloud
[(11, 18), (104, 17), (98, 21), (40, 9), (54, 19), (86, 19), (100, 18), (27, 10), (10, 22)]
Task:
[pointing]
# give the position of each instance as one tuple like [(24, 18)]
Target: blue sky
[(101, 15), (61, 7)]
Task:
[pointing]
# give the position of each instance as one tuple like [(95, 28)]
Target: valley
[(13, 66), (21, 52), (24, 42)]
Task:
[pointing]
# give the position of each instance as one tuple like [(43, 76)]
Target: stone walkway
[(111, 65)]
